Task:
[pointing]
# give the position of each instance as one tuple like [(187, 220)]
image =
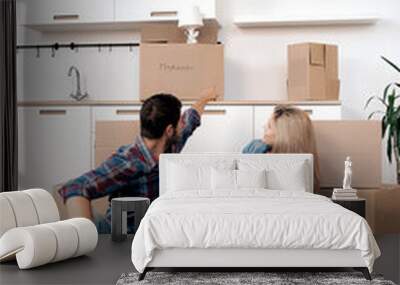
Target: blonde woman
[(289, 130)]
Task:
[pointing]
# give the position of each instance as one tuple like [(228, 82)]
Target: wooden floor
[(103, 266)]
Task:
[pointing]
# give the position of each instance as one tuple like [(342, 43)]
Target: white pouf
[(41, 244), (31, 232), (87, 234), (67, 238), (23, 208), (7, 220), (46, 207), (33, 246)]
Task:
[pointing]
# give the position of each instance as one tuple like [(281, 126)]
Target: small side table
[(119, 214), (357, 205)]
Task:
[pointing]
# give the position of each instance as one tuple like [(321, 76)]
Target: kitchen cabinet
[(223, 129), (45, 12), (53, 15), (160, 10), (316, 112), (116, 113), (54, 145)]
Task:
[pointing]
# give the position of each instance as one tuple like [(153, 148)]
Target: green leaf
[(384, 126), (398, 135), (374, 113), (392, 98), (368, 102), (391, 63), (382, 101), (389, 149), (370, 99), (390, 116), (385, 91)]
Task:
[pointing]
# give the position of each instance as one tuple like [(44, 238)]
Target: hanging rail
[(73, 45)]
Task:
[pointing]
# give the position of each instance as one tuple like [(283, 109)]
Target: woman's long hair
[(295, 134)]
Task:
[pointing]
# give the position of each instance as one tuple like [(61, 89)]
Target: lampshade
[(190, 17)]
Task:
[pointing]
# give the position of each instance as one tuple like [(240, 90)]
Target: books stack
[(344, 194)]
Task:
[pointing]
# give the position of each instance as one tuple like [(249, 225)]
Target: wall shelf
[(106, 26), (258, 22)]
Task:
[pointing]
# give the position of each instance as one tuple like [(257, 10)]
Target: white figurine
[(192, 34), (347, 174)]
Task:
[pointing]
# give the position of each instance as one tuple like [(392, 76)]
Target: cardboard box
[(313, 72), (361, 140), (181, 69), (383, 211), (170, 33), (382, 208), (110, 135)]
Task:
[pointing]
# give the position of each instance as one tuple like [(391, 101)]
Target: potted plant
[(390, 118)]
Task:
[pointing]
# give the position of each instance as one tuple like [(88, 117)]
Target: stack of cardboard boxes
[(313, 72), (169, 65)]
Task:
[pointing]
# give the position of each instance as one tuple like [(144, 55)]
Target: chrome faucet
[(78, 96)]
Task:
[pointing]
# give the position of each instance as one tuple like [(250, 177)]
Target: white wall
[(255, 58), (106, 75)]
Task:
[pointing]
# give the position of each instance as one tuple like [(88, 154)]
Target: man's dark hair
[(157, 113)]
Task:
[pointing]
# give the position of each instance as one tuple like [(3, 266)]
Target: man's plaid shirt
[(131, 171)]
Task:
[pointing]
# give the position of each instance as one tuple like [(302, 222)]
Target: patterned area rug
[(269, 278)]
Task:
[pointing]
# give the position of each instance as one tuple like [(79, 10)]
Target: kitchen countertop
[(69, 103)]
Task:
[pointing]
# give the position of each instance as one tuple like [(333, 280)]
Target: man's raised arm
[(208, 95)]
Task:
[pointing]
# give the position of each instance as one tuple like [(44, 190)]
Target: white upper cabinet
[(65, 14), (45, 12), (160, 10)]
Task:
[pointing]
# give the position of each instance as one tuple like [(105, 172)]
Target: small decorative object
[(347, 174), (390, 118), (347, 192), (119, 214), (191, 20)]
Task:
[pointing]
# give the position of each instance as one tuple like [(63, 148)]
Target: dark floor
[(103, 266)]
